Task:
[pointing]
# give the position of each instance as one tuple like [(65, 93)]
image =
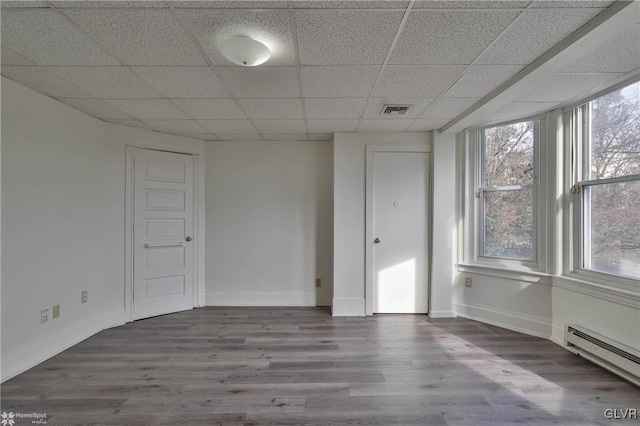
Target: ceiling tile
[(320, 136), (47, 38), (107, 4), (224, 4), (201, 136), (470, 4), (280, 126), (149, 109), (418, 81), (562, 87), (451, 37), (176, 126), (375, 105), (347, 37), (271, 28), (330, 126), (23, 4), (480, 80), (107, 82), (272, 108), (228, 126), (619, 54), (9, 57), (129, 123), (327, 108), (210, 109), (38, 78), (533, 33), (183, 82), (285, 137), (239, 136), (571, 3), (265, 82), (353, 4), (426, 124), (140, 36), (373, 125), (337, 82), (515, 110), (447, 107), (96, 107)]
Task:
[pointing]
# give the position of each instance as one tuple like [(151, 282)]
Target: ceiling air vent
[(395, 109)]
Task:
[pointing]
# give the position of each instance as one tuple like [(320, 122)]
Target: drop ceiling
[(334, 65)]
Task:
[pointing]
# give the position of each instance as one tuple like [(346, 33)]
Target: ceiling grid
[(334, 64)]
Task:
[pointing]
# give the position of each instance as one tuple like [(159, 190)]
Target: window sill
[(575, 282), (516, 274)]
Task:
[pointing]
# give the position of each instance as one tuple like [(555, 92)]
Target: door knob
[(188, 239), (377, 240)]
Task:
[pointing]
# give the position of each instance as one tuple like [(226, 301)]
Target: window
[(607, 182), (507, 191)]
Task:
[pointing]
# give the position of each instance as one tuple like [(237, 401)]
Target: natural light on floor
[(554, 395), (397, 288)]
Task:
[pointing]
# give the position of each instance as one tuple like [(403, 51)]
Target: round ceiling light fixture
[(244, 51)]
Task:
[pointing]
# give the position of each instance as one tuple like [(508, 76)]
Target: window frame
[(579, 164), (482, 189), (471, 206)]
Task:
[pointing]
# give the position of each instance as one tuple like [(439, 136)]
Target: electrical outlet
[(85, 296), (56, 311), (468, 282), (318, 282), (44, 316)]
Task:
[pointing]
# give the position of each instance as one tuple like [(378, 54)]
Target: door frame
[(369, 191), (198, 220)]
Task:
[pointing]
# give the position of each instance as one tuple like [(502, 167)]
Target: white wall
[(55, 227), (510, 303), (349, 214), (63, 192), (269, 233), (614, 317), (444, 230), (544, 308)]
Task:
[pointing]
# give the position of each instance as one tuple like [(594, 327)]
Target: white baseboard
[(299, 298), (348, 307), (34, 353), (442, 314), (515, 321)]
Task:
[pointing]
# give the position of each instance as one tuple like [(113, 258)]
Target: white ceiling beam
[(620, 17)]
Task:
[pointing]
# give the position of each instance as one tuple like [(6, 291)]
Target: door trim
[(369, 190), (198, 225)]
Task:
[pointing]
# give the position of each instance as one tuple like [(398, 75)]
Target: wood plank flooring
[(300, 366)]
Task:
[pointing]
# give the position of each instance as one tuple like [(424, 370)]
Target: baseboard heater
[(613, 356)]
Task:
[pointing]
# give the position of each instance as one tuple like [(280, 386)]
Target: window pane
[(612, 220), (615, 134), (508, 155), (508, 224)]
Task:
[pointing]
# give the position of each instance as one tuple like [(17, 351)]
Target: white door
[(400, 219), (162, 233)]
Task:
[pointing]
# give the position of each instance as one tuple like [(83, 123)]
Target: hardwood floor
[(298, 366)]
